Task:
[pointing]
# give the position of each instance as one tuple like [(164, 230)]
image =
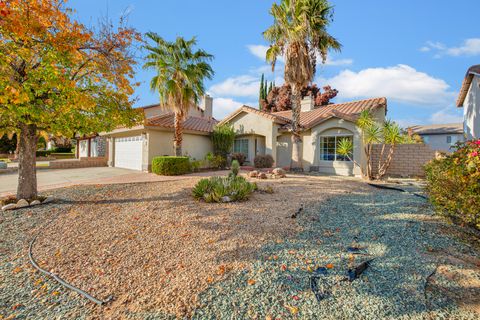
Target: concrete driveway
[(51, 179)]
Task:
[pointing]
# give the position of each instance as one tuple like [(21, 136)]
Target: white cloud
[(241, 86), (260, 52), (469, 47), (222, 107), (446, 116), (400, 83)]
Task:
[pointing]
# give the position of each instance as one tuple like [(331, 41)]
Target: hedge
[(171, 166)]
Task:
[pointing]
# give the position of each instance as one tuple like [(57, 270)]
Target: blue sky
[(413, 52)]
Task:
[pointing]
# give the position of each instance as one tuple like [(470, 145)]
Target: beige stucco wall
[(160, 143), (248, 124), (471, 110)]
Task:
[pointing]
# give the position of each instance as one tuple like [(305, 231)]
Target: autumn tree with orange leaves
[(59, 77)]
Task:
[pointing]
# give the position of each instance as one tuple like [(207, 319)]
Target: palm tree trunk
[(178, 135), (296, 163), (27, 175), (388, 162)]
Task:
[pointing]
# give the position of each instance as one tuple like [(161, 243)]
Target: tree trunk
[(178, 136), (296, 163), (27, 175)]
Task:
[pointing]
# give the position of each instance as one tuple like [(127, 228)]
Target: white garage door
[(128, 152)]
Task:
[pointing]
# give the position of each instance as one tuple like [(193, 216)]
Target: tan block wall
[(82, 163), (408, 159)]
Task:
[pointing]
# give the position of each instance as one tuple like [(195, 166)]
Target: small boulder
[(35, 203), (226, 199), (253, 174), (22, 203), (9, 206), (48, 200), (262, 175), (279, 173)]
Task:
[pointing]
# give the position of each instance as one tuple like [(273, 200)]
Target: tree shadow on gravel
[(395, 229)]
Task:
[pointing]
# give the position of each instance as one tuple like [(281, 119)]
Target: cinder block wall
[(408, 159)]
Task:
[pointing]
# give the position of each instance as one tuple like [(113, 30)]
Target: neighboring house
[(260, 133), (134, 148), (469, 99), (93, 146), (440, 137)]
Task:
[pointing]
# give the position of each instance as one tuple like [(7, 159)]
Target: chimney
[(207, 106), (307, 104)]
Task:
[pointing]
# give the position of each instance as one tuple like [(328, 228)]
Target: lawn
[(161, 254)]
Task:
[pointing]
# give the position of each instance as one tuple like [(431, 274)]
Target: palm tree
[(299, 35), (181, 72)]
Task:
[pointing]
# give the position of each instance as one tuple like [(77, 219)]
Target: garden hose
[(379, 186)]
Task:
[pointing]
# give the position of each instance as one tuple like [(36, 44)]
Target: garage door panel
[(128, 152)]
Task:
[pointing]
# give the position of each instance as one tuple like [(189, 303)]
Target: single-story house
[(260, 133), (469, 99), (134, 148), (440, 137)]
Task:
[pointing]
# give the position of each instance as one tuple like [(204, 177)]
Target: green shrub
[(240, 157), (216, 161), (453, 184), (196, 165), (44, 153), (63, 150), (223, 189), (265, 161), (171, 166), (235, 168), (222, 138)]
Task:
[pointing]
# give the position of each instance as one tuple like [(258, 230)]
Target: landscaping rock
[(35, 203), (279, 173), (48, 200), (226, 199), (253, 174), (10, 206), (262, 175), (22, 203)]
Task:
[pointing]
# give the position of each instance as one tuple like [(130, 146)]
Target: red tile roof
[(268, 115), (191, 123), (348, 111), (466, 83)]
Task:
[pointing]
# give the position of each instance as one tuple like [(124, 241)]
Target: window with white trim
[(241, 146), (328, 148)]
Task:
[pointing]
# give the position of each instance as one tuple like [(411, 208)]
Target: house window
[(241, 146), (449, 139), (328, 148)]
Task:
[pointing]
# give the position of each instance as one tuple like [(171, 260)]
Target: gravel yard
[(161, 254)]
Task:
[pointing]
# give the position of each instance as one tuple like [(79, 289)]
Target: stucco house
[(134, 148), (259, 132), (469, 99), (440, 137)]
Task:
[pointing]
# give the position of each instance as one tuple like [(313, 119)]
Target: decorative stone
[(35, 203), (10, 206), (279, 173), (253, 174), (48, 200), (22, 203), (226, 199), (262, 175)]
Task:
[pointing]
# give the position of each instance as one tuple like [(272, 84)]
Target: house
[(469, 99), (440, 137), (260, 133), (134, 148)]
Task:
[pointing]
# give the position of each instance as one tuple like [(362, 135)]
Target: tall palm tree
[(299, 34), (181, 72)]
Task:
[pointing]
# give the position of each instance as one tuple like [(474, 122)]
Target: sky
[(414, 53)]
